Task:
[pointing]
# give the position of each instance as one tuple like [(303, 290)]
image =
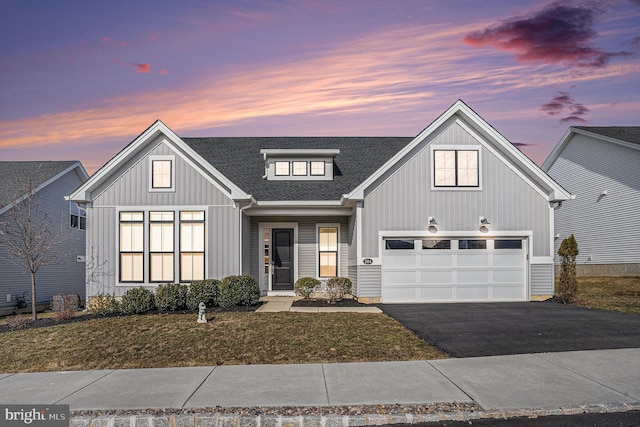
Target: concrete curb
[(193, 418)]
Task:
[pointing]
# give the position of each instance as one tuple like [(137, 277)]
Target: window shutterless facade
[(161, 247), (317, 168), (456, 168), (282, 168), (131, 247), (328, 251), (78, 216), (300, 168), (192, 238)]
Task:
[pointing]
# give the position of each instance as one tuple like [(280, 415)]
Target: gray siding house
[(600, 165), (52, 180), (455, 214)]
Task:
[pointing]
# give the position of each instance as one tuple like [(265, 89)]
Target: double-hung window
[(161, 246), (131, 246), (191, 245), (328, 251), (455, 168)]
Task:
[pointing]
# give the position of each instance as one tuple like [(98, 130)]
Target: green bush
[(205, 291), (137, 300), (337, 288), (305, 285), (568, 286), (171, 297), (238, 290), (103, 304)]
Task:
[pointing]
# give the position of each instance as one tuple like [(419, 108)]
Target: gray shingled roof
[(13, 175), (239, 159), (624, 133)]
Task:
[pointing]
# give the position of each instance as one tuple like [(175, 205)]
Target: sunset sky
[(81, 79)]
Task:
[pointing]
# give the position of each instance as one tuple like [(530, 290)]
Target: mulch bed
[(321, 302), (51, 321)]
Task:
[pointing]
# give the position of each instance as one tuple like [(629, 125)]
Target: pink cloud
[(142, 68), (106, 39), (559, 33), (163, 72)]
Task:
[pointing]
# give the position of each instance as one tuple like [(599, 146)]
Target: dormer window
[(317, 168), (282, 168), (300, 168), (315, 164), (162, 173)]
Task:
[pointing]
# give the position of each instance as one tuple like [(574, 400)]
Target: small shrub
[(137, 300), (103, 304), (238, 290), (19, 321), (305, 285), (205, 291), (568, 286), (171, 297), (337, 288)]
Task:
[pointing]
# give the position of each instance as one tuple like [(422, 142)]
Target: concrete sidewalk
[(548, 383), (278, 304)]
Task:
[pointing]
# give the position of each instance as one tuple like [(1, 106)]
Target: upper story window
[(299, 168), (162, 174), (78, 216), (456, 168), (282, 168), (317, 168), (303, 164)]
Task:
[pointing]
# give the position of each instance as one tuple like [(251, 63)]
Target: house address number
[(367, 261)]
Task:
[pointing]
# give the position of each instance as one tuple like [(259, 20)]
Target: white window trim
[(317, 249), (451, 147), (275, 168), (171, 158), (176, 270)]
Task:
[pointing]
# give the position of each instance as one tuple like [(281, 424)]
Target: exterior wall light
[(432, 224), (484, 224)]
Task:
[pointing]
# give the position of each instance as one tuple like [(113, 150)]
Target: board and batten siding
[(67, 277), (132, 187), (606, 227), (405, 200), (307, 243), (130, 191)]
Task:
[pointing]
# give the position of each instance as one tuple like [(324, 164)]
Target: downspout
[(240, 239)]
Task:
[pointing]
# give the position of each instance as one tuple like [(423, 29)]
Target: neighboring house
[(52, 181), (600, 166), (454, 214)]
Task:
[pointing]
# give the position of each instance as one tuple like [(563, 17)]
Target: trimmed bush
[(103, 304), (205, 291), (137, 300), (171, 297), (238, 290), (337, 288), (568, 287), (305, 285)]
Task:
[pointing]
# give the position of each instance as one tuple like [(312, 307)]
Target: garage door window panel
[(472, 244), (399, 244), (507, 244), (436, 244)]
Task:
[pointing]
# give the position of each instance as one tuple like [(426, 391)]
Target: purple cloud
[(559, 33), (563, 103)]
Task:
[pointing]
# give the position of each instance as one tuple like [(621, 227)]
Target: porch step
[(277, 304)]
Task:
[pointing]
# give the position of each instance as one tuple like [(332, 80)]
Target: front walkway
[(277, 304)]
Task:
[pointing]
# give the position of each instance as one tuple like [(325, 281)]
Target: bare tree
[(28, 234)]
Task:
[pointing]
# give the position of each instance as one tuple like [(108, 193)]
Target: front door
[(282, 239)]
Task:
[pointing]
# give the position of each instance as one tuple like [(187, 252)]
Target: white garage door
[(450, 270)]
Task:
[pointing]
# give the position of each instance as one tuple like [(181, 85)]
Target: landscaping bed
[(323, 302)]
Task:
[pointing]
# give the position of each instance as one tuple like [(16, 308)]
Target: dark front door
[(282, 259)]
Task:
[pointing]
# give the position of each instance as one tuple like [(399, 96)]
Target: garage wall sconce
[(432, 224), (484, 224)]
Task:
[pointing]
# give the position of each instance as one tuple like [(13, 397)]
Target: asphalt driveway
[(491, 329)]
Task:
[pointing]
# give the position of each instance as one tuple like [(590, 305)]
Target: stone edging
[(217, 419)]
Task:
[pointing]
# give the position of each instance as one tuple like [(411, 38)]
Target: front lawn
[(230, 338), (610, 293)]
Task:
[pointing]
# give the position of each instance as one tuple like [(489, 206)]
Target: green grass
[(610, 293), (230, 338)]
